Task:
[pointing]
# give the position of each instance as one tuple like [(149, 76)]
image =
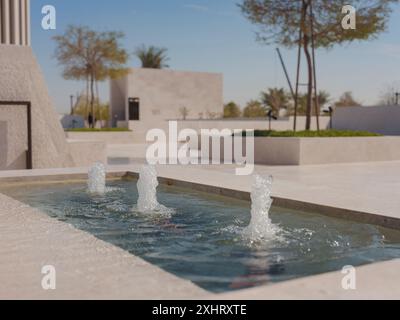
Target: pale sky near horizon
[(213, 36)]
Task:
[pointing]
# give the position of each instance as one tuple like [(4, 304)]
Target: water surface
[(201, 240)]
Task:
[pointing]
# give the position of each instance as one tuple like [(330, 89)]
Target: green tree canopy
[(92, 56), (101, 110), (323, 99), (254, 109), (280, 22), (232, 110), (275, 99), (152, 57)]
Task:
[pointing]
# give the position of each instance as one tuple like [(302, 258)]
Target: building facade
[(148, 98), (15, 22), (31, 135)]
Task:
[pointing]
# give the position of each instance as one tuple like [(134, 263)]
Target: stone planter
[(309, 151), (314, 151)]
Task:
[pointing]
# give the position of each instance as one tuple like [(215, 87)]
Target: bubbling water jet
[(261, 226), (147, 188), (97, 179)]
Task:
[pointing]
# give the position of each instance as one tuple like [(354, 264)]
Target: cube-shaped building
[(148, 98)]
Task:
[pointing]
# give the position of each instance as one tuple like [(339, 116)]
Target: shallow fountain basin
[(202, 240)]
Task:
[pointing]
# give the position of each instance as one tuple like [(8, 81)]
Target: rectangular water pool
[(202, 242)]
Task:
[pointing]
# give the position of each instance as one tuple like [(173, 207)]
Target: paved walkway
[(365, 187)]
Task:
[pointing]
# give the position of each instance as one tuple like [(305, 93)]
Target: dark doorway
[(29, 161), (134, 109)]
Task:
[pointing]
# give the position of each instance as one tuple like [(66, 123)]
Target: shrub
[(315, 134), (99, 130)]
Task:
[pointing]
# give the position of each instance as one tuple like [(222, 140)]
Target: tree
[(101, 110), (232, 110), (275, 99), (280, 22), (152, 57), (254, 109), (323, 99), (347, 100), (91, 56), (390, 96)]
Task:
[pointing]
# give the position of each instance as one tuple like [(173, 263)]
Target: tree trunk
[(98, 100), (87, 97), (306, 44), (310, 82), (92, 98)]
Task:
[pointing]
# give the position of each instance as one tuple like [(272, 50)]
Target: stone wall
[(108, 138), (21, 80), (384, 120), (163, 93), (13, 137), (317, 151)]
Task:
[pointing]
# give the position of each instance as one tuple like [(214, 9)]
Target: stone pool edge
[(325, 286), (287, 203), (86, 267), (279, 201)]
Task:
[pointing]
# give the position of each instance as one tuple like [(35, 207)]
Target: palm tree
[(254, 109), (275, 99), (323, 99), (91, 56), (152, 57)]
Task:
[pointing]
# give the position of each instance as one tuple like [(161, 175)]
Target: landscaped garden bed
[(99, 130), (316, 134)]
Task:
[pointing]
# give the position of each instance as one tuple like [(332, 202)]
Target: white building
[(148, 98)]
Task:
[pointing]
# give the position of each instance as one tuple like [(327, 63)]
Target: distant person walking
[(90, 120)]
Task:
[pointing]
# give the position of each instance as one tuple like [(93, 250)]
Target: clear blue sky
[(212, 35)]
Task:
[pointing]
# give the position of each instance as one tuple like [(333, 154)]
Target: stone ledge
[(86, 267), (316, 151)]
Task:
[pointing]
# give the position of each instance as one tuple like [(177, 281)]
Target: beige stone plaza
[(357, 179)]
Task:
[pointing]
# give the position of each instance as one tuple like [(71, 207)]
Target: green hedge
[(99, 130), (314, 134)]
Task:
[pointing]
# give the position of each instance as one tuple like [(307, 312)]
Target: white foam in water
[(261, 226), (147, 188), (97, 179)]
